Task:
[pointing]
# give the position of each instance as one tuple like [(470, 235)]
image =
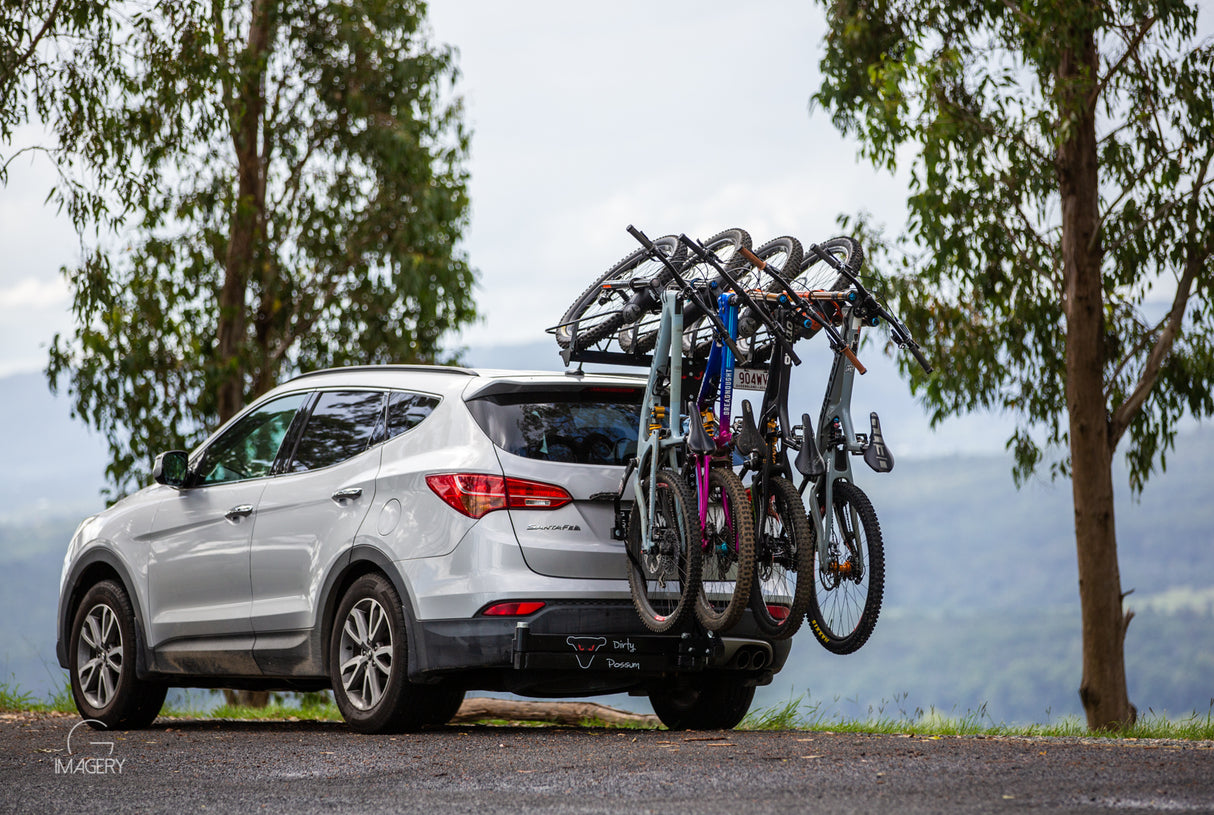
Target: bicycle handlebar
[(902, 336), (812, 312), (691, 293), (743, 295)]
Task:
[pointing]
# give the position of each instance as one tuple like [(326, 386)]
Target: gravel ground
[(181, 766)]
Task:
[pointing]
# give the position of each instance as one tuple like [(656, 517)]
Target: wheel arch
[(363, 560), (98, 565)]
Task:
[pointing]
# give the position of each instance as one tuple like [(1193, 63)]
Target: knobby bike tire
[(785, 253), (845, 604), (641, 336), (596, 314), (665, 582), (727, 571), (816, 273), (784, 560)]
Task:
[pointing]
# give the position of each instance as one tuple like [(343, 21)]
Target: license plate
[(750, 379)]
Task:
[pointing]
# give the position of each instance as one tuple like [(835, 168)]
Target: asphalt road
[(205, 766)]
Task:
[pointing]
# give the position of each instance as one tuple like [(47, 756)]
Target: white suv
[(400, 534)]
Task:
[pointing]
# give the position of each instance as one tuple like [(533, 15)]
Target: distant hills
[(981, 612)]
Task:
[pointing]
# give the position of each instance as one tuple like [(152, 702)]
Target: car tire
[(443, 705), (102, 650), (712, 704), (369, 661)]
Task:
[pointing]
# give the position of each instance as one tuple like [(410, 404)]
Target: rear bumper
[(582, 647)]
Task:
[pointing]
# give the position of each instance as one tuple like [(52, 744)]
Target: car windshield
[(587, 426)]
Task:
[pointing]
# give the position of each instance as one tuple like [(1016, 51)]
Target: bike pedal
[(877, 455)]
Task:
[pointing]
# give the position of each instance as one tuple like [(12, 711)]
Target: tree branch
[(46, 26), (1147, 337), (1130, 50), (1194, 262)]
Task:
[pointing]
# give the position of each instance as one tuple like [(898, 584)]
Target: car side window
[(407, 410), (249, 447), (341, 426)]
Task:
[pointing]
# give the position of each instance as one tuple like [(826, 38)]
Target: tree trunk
[(245, 113), (1103, 688)]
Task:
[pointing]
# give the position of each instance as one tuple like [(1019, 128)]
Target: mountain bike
[(782, 540), (724, 519), (848, 551), (665, 541)]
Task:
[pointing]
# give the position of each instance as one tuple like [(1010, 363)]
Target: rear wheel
[(369, 662), (816, 273), (598, 312), (729, 552), (850, 581), (102, 652), (445, 703), (712, 704), (783, 561), (665, 575)]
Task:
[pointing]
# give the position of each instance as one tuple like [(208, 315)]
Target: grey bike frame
[(836, 404), (652, 448)]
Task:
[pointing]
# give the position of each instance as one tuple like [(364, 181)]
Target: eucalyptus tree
[(261, 186), (1057, 254)]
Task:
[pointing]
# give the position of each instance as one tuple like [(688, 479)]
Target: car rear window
[(587, 426)]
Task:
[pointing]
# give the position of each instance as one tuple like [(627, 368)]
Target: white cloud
[(35, 293)]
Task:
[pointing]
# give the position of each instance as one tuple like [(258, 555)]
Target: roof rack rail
[(437, 369)]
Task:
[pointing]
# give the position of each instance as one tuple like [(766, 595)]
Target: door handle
[(239, 511), (348, 494)]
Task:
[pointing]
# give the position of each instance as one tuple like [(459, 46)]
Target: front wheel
[(849, 580), (599, 312), (102, 650)]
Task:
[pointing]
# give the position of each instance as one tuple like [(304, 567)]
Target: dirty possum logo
[(584, 648)]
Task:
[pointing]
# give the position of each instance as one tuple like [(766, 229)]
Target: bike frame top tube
[(718, 372)]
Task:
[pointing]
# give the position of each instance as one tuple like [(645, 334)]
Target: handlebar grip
[(754, 260), (917, 353), (853, 359), (640, 236)]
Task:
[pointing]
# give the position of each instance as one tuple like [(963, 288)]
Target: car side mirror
[(172, 469)]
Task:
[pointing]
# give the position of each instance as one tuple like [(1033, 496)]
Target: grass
[(13, 699), (802, 714), (806, 714)]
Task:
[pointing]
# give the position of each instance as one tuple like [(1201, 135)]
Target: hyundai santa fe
[(400, 534)]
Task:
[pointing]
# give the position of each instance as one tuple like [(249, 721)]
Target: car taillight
[(513, 609), (778, 613), (476, 494)]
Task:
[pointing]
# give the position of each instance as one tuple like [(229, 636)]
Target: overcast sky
[(674, 116)]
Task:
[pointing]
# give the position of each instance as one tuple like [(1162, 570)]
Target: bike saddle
[(809, 461), (699, 443), (749, 441)]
